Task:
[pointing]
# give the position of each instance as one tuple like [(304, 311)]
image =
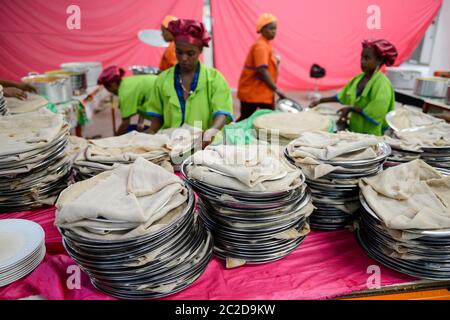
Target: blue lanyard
[(179, 89)]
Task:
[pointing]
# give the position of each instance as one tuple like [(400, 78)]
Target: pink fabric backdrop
[(327, 32), (34, 35), (325, 265)]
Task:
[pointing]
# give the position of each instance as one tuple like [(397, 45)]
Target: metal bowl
[(288, 105), (137, 70)]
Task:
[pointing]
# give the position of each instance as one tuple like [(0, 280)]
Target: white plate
[(152, 37), (18, 239), (19, 269), (24, 272), (22, 262)]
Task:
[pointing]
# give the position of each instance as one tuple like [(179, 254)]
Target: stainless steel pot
[(447, 99), (433, 87), (402, 78), (56, 88), (78, 80), (143, 70), (94, 69)]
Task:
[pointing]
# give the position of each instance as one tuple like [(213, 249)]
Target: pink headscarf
[(383, 49), (190, 31), (110, 74)]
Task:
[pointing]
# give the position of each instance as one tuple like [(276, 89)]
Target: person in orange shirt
[(169, 58), (257, 86)]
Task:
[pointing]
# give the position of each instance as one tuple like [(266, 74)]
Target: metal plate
[(384, 150), (247, 194), (111, 274)]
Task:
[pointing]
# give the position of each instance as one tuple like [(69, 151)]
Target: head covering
[(167, 20), (385, 50), (110, 74), (264, 20), (190, 31)]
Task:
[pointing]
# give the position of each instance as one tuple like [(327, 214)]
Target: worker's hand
[(26, 87), (150, 131), (314, 103), (281, 94), (343, 114), (13, 92), (208, 137), (140, 127)]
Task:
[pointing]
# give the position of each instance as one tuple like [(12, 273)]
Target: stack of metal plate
[(438, 157), (84, 167), (83, 170), (423, 254), (252, 227), (36, 176), (153, 265), (399, 156), (3, 109), (335, 195), (430, 143)]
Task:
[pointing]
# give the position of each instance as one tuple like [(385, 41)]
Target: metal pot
[(447, 99), (143, 70), (433, 87), (94, 69), (402, 78), (56, 88), (78, 80)]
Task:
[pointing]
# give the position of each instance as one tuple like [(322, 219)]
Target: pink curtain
[(326, 32), (34, 35)]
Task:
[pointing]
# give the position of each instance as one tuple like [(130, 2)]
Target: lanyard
[(180, 91)]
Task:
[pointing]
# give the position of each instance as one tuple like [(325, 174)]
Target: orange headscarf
[(264, 20), (167, 20)]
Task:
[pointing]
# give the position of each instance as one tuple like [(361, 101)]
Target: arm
[(324, 100), (208, 136), (123, 126), (155, 125), (18, 85), (140, 124), (13, 92), (265, 76)]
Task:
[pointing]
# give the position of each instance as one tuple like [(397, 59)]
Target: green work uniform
[(211, 97), (134, 92), (376, 100)]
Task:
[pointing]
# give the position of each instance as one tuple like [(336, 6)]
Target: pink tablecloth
[(325, 265)]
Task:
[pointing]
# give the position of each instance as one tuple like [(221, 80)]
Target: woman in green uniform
[(369, 96), (190, 92), (133, 93)]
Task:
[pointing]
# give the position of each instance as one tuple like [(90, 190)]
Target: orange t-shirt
[(251, 88), (169, 58)]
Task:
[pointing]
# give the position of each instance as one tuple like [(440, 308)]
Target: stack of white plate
[(251, 226), (3, 110), (335, 195), (22, 248), (32, 173)]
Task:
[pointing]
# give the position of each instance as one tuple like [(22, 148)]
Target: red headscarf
[(191, 31), (385, 50), (110, 74)]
